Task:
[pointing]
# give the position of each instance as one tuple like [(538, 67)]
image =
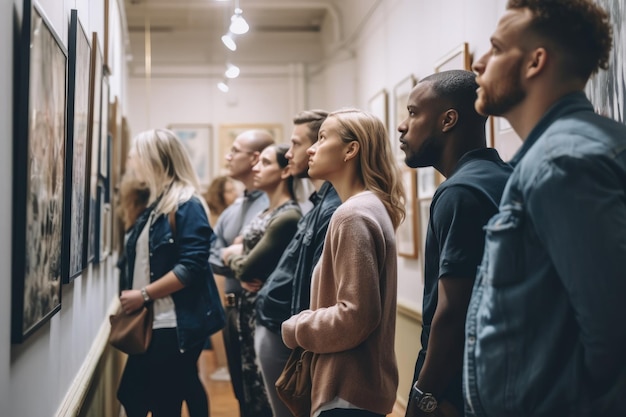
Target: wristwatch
[(144, 294), (425, 401)]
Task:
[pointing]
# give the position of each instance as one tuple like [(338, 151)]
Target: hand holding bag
[(294, 383), (132, 333)]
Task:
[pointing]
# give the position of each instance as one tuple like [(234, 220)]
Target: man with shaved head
[(443, 130), (242, 156)]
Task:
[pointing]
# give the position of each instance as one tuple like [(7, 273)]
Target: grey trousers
[(272, 355)]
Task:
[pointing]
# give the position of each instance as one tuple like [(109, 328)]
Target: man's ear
[(449, 120), (254, 158), (537, 62), (352, 150)]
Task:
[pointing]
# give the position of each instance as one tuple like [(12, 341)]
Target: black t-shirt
[(455, 239)]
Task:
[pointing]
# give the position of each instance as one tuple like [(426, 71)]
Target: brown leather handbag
[(132, 333), (294, 383)]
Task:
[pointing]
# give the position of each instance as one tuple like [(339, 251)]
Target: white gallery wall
[(35, 376)]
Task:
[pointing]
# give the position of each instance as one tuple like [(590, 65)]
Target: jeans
[(272, 355), (233, 354)]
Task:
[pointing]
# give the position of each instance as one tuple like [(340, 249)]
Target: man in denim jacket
[(541, 333)]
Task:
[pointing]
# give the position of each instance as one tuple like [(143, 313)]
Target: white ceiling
[(188, 32)]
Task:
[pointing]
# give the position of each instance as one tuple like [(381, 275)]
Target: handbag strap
[(172, 219)]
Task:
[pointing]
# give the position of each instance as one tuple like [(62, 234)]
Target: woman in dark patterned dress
[(264, 240)]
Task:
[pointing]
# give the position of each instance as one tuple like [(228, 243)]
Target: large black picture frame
[(39, 173), (79, 64)]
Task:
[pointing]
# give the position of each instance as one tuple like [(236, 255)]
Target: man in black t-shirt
[(443, 130)]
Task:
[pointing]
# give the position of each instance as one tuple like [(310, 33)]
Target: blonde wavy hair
[(377, 165), (160, 160)]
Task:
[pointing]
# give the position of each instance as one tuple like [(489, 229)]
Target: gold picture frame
[(458, 58), (407, 235), (229, 132)]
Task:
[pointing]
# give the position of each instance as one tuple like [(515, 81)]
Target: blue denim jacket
[(186, 254), (287, 290), (544, 332)]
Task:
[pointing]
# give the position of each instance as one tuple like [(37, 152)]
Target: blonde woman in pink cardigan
[(350, 327)]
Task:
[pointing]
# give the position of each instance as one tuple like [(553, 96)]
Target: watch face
[(427, 403)]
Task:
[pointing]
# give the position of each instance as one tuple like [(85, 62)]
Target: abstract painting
[(607, 89), (40, 139)]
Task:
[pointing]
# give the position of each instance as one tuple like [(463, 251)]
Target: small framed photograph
[(424, 207), (503, 138), (408, 230)]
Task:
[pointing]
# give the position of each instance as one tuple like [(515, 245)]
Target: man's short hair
[(458, 88), (313, 119), (580, 29)]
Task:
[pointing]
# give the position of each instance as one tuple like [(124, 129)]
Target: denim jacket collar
[(567, 104)]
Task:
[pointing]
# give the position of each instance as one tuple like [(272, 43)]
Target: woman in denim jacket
[(169, 268)]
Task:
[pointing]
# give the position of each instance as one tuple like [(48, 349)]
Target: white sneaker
[(221, 374)]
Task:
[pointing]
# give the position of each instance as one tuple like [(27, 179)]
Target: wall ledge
[(75, 396), (410, 311)]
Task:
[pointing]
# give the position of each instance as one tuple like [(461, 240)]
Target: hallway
[(221, 398)]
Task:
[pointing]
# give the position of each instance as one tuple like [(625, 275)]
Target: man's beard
[(508, 93)]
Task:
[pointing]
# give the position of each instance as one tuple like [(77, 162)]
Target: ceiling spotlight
[(238, 24), (223, 86), (229, 41), (232, 71)]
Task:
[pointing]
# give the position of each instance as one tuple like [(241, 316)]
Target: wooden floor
[(222, 401)]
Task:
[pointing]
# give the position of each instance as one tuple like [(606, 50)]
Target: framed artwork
[(428, 181), (607, 89), (378, 106), (115, 127), (503, 138), (424, 208), (229, 132), (106, 44), (93, 151), (104, 220), (401, 93), (103, 159), (198, 140), (408, 231), (39, 164), (79, 61), (458, 58)]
